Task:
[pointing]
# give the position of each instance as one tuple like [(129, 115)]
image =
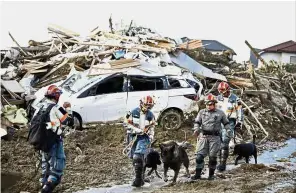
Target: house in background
[(213, 46), (283, 53)]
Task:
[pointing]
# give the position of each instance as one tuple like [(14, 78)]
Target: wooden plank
[(255, 53), (119, 62), (79, 68), (139, 47), (91, 66), (33, 49), (127, 65), (24, 52), (62, 31), (38, 71), (13, 86), (16, 102), (55, 69)]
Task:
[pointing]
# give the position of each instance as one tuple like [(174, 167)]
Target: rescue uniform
[(232, 108), (136, 122), (208, 124), (53, 162)]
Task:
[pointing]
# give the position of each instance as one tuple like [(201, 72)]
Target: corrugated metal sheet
[(185, 61)]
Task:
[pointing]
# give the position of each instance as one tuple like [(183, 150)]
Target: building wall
[(286, 57), (268, 57), (278, 57)]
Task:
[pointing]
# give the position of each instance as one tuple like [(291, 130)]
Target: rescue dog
[(245, 150), (151, 161), (173, 156)]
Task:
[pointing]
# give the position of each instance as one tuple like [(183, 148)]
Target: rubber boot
[(197, 174), (211, 174), (222, 166), (43, 179), (49, 187), (139, 180)]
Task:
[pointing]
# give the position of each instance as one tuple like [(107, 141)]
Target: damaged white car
[(107, 98)]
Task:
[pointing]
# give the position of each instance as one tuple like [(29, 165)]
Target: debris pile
[(268, 94), (101, 52)]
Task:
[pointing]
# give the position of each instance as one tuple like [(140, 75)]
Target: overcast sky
[(263, 24)]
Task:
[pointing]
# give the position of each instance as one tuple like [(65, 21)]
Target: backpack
[(39, 136)]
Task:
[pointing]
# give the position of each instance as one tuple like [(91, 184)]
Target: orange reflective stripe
[(64, 117)]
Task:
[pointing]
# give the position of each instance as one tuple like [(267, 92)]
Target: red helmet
[(223, 87), (146, 103), (53, 92), (210, 98)]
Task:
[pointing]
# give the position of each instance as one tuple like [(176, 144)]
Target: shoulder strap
[(50, 106)]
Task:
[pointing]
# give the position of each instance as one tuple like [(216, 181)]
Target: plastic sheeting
[(15, 115)]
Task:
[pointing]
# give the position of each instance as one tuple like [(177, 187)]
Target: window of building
[(293, 59)]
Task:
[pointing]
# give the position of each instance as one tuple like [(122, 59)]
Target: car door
[(105, 101), (181, 94), (140, 86)]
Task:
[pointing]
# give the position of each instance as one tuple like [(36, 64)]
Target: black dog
[(151, 161), (173, 156), (245, 150)]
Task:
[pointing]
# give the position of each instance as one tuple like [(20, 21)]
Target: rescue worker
[(208, 124), (230, 104), (53, 162), (140, 123)]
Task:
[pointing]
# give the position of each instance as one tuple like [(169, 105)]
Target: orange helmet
[(146, 103), (210, 98), (53, 92), (223, 87)]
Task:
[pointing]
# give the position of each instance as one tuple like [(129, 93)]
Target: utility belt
[(215, 133)]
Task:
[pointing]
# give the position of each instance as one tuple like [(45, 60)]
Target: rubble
[(268, 95)]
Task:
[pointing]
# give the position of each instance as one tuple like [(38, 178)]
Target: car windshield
[(76, 82)]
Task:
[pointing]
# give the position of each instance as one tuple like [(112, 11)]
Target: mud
[(94, 159)]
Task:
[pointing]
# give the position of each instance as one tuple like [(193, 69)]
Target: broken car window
[(112, 85), (178, 83), (145, 83), (193, 84), (76, 82)]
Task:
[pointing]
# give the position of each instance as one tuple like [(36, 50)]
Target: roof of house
[(215, 45), (211, 45), (289, 46)]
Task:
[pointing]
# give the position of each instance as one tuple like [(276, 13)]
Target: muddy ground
[(101, 162)]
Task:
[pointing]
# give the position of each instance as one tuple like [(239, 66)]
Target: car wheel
[(171, 120), (77, 122)]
